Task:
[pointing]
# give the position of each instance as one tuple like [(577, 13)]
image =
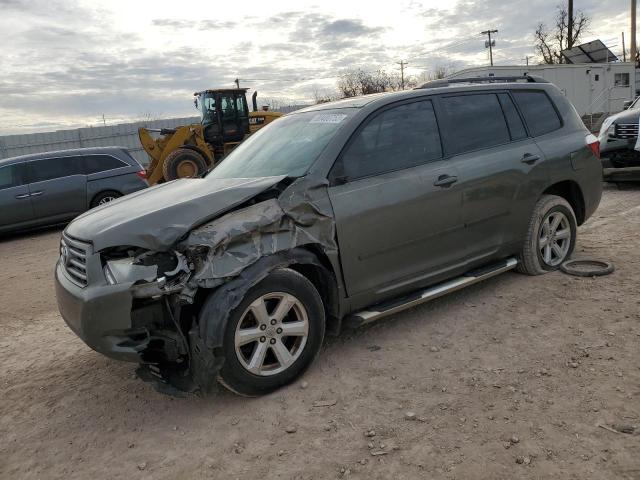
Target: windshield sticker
[(328, 118)]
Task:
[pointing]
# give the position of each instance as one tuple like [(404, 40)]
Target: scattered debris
[(434, 349), (291, 429), (373, 348), (410, 416), (142, 466), (621, 429), (325, 403), (375, 453), (370, 433), (304, 385)]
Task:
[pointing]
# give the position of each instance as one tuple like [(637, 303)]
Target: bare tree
[(439, 73), (360, 82), (550, 43), (324, 96)]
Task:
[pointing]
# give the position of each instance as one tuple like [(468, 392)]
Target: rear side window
[(475, 121), (51, 168), (514, 122), (538, 111), (11, 176), (101, 163), (400, 137)]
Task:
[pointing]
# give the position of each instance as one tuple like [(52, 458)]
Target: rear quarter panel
[(568, 156), (124, 183)]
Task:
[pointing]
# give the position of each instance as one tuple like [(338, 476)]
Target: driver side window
[(397, 138)]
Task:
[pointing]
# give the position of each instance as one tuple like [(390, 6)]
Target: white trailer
[(592, 87)]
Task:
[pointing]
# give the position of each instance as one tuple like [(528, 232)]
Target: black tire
[(233, 374), (587, 268), (530, 259), (104, 197), (183, 163)]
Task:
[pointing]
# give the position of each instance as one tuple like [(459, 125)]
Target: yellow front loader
[(192, 150)]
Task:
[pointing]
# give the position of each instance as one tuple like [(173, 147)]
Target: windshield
[(288, 146), (207, 105)]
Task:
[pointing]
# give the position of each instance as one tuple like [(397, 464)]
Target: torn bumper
[(100, 314)]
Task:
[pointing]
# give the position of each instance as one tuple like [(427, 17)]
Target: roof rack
[(489, 79)]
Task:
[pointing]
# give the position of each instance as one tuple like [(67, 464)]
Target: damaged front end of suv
[(141, 300)]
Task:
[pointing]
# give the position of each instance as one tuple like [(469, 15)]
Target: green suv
[(338, 214)]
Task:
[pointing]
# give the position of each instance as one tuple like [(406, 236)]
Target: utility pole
[(633, 31), (526, 58), (237, 81), (402, 64), (624, 49), (490, 44), (570, 26)]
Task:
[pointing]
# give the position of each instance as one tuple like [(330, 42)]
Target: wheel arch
[(216, 304), (101, 191), (572, 193)]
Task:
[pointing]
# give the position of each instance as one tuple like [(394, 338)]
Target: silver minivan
[(54, 187)]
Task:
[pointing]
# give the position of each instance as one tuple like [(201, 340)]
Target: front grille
[(73, 256), (626, 130)]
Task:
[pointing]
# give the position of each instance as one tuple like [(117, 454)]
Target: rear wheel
[(551, 236), (105, 197), (273, 335), (183, 163)]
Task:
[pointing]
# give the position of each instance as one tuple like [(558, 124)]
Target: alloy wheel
[(271, 333), (554, 240)]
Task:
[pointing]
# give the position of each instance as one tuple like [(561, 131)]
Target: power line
[(444, 47)]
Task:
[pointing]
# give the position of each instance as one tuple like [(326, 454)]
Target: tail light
[(142, 174), (594, 145)]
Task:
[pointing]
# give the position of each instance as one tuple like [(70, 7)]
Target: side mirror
[(195, 102)]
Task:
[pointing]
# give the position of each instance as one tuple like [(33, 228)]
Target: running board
[(382, 310)]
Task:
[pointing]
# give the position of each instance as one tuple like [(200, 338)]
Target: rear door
[(498, 165), (58, 187), (15, 202), (396, 202)]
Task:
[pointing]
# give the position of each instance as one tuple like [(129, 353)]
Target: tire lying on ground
[(273, 335), (550, 238), (183, 163), (587, 268)]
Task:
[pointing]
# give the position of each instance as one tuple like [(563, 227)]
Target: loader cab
[(224, 114)]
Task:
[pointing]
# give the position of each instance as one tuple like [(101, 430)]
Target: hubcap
[(187, 169), (271, 333), (106, 200), (554, 239)]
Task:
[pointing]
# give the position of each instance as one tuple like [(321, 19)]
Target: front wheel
[(183, 163), (273, 335), (551, 236)]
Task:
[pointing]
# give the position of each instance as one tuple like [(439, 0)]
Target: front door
[(396, 203), (58, 187), (234, 117), (15, 202)]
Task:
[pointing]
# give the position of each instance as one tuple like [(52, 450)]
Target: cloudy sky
[(68, 63)]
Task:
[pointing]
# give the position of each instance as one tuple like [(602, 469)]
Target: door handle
[(530, 159), (445, 181), (37, 194), (23, 195)]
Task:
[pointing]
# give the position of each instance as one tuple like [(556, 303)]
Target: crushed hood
[(157, 217)]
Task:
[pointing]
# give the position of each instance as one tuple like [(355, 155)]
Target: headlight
[(125, 270), (611, 130), (144, 267)]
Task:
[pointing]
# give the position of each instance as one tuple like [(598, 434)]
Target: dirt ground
[(507, 379)]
